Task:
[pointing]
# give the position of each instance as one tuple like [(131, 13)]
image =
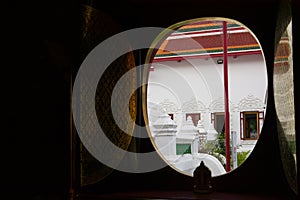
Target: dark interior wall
[(296, 51), (40, 43), (263, 171), (43, 47)]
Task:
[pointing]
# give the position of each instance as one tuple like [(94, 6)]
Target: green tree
[(242, 156), (220, 146)]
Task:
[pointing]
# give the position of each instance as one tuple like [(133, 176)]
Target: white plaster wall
[(202, 80), (247, 75), (166, 144), (199, 78)]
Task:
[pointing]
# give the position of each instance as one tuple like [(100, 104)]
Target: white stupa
[(164, 133), (189, 135), (212, 134), (202, 135)]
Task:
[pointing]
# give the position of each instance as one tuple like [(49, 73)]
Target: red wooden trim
[(195, 32), (203, 32), (184, 57), (210, 41)]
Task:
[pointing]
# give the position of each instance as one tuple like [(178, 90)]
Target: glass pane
[(251, 125), (219, 123), (183, 149)]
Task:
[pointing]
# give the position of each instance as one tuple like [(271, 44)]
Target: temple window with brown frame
[(251, 122), (195, 117)]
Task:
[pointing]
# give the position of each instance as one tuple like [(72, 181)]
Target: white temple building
[(186, 81)]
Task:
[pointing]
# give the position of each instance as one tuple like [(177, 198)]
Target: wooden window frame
[(193, 118), (214, 118), (259, 123)]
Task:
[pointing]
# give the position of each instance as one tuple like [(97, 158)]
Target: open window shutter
[(242, 125), (212, 118), (261, 118)]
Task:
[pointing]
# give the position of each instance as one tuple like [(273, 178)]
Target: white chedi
[(164, 125), (188, 134), (211, 139), (212, 134), (202, 136), (164, 134), (188, 130)]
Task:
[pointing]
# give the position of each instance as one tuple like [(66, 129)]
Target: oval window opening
[(206, 94)]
